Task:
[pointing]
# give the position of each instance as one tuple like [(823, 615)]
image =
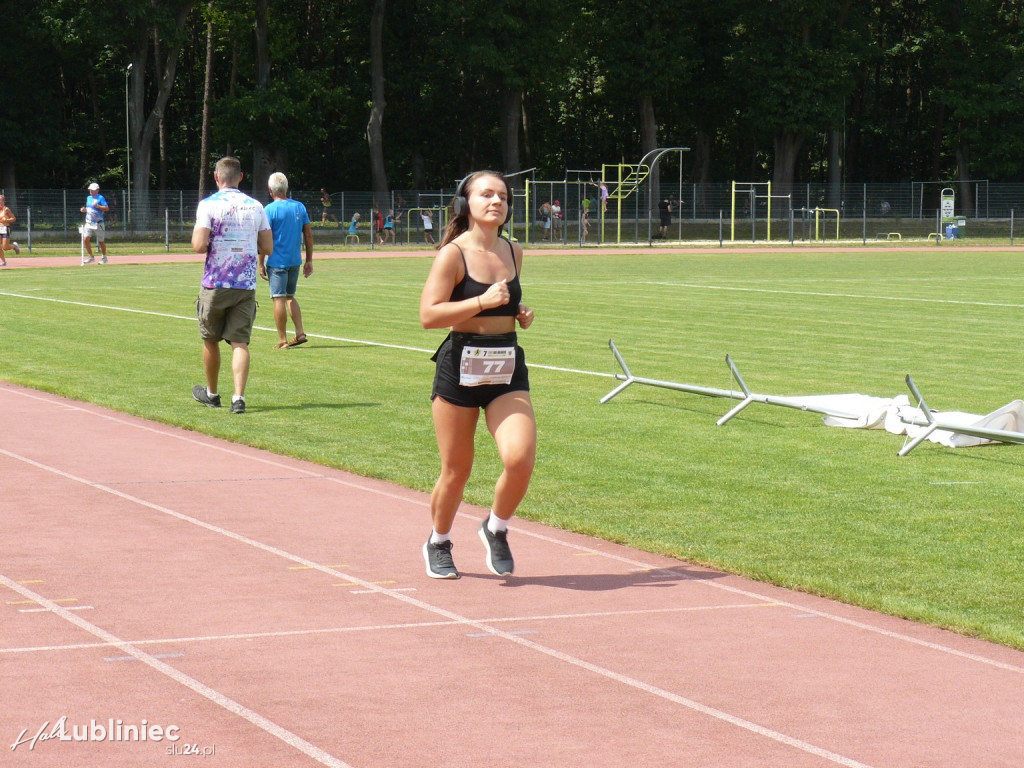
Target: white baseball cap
[(94, 185)]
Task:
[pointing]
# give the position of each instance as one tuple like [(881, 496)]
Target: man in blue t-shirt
[(94, 208), (290, 224)]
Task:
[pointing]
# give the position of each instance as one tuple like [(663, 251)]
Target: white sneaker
[(17, 249), (103, 259), (90, 260)]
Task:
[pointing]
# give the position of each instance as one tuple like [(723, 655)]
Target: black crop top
[(468, 288)]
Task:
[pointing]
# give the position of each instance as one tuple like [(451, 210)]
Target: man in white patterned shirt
[(233, 231)]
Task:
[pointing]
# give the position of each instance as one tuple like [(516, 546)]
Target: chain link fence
[(699, 212)]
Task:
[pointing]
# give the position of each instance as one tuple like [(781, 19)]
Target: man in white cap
[(95, 207)]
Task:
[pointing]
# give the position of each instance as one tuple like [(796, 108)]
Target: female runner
[(473, 288)]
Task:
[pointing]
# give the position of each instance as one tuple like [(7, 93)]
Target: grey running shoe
[(103, 259), (238, 406), (499, 556), (201, 396), (438, 558), (90, 260)]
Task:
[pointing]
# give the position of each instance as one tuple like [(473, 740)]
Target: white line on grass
[(324, 337), (786, 292), (824, 294)]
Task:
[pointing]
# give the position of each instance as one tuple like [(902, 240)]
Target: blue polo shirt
[(287, 219), (94, 215)]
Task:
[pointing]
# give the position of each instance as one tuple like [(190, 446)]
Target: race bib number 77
[(487, 365)]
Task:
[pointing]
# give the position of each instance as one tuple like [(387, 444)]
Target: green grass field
[(936, 536)]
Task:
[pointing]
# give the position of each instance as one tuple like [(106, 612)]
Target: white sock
[(236, 398), (211, 394), (495, 524), (439, 538)]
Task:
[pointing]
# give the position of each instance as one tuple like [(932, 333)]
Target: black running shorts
[(447, 373)]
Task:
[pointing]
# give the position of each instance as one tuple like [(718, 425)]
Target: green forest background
[(410, 94)]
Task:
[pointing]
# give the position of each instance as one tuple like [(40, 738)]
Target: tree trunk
[(138, 195), (374, 134), (511, 114), (938, 134), (261, 152), (232, 82), (965, 197), (143, 132), (97, 114), (161, 176), (835, 168), (526, 135), (8, 183), (787, 149), (419, 169), (701, 170), (204, 141), (649, 141)]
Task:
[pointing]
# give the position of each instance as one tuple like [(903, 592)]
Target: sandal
[(300, 339), (281, 345)]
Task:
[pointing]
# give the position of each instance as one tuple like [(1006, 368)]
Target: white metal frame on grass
[(744, 395), (933, 424)]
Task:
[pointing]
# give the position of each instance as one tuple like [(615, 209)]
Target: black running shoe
[(201, 396), (499, 556), (238, 406), (438, 558)]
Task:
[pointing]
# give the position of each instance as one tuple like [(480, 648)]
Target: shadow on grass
[(1007, 454), (314, 345), (311, 406), (750, 415)]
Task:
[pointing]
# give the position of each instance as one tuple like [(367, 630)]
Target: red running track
[(20, 262), (264, 611)]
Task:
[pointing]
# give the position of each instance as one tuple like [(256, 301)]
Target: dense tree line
[(402, 94)]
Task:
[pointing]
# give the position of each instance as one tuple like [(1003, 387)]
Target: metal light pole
[(128, 145)]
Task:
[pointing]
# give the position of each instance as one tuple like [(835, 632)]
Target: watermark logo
[(111, 731)]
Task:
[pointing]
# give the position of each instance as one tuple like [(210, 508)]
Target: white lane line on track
[(384, 627), (417, 499), (202, 689), (480, 626), (715, 584)]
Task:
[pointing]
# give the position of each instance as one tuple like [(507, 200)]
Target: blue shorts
[(446, 377), (283, 281)]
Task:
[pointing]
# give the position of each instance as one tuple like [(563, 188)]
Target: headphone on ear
[(460, 203)]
